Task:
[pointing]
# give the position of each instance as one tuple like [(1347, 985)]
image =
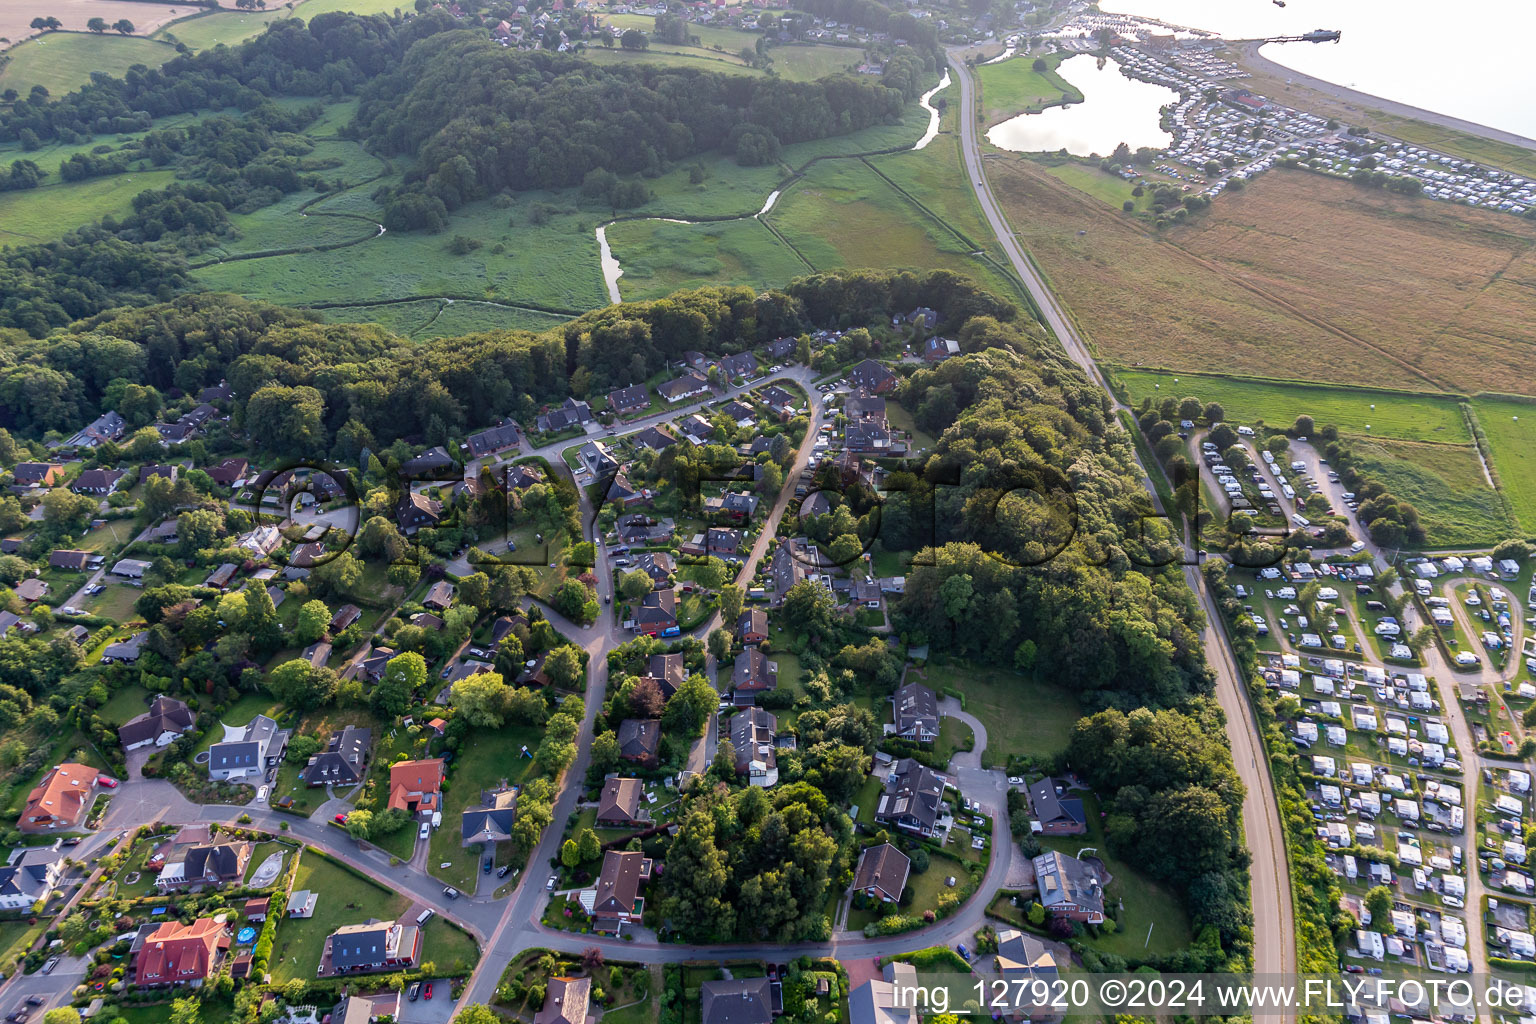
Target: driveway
[(436, 1010)]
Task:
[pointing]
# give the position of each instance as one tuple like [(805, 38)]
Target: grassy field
[(672, 57), (43, 214), (1295, 277), (1511, 431), (1396, 415), (807, 62), (1015, 87), (660, 257), (844, 214), (63, 61), (230, 28), (1445, 483), (995, 696)]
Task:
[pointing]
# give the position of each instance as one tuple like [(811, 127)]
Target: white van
[(1357, 547), (423, 917), (1245, 431), (1301, 520)]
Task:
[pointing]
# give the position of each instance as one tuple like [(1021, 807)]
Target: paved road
[(1274, 927)]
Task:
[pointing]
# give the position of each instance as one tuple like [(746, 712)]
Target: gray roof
[(1066, 880), (491, 822), (737, 1001), (1048, 798), (916, 707)]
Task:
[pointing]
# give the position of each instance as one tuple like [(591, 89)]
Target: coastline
[(1250, 54)]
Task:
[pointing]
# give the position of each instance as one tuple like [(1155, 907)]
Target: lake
[(1396, 49), (1115, 109)]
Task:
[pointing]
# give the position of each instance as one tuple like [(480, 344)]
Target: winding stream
[(933, 114)]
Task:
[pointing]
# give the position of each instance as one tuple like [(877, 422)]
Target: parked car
[(502, 871), (426, 830), (428, 993), (549, 886), (450, 892), (340, 819), (414, 992)]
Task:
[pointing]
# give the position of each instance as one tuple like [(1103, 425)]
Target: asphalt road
[(1273, 919)]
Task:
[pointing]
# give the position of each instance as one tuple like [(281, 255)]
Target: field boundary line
[(1303, 382), (365, 303)]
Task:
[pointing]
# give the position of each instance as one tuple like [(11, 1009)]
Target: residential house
[(494, 440), (752, 731), (739, 413), (301, 904), (781, 402), (923, 318), (68, 558), (916, 713), (640, 741), (616, 899), (781, 348), (630, 400), (882, 873), (221, 577), (566, 1001), (596, 460), (689, 385), (619, 805), (439, 596), (171, 472), (60, 800), (229, 472), (696, 429), (913, 798), (623, 493), (417, 510), (431, 464), (638, 528), (124, 651), (491, 821), (109, 426), (343, 760), (878, 1001), (570, 413), (873, 377), (244, 752), (654, 438), (752, 674), (166, 719), (344, 617), (658, 565), (167, 532), (38, 474), (31, 589), (372, 946), (752, 626), (736, 1001), (737, 506), (214, 864), (130, 568), (261, 541), (1057, 813), (32, 875), (317, 654), (1069, 887), (373, 666), (220, 392), (181, 954), (96, 482), (742, 364), (863, 407), (668, 671), (1028, 967), (10, 621), (521, 477), (416, 786), (657, 614), (936, 350)]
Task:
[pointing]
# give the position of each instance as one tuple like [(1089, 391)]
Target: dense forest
[(310, 389), (481, 118)]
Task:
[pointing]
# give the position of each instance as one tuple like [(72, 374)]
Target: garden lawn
[(247, 707), (344, 898), (954, 735), (482, 763), (126, 703), (997, 697)]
